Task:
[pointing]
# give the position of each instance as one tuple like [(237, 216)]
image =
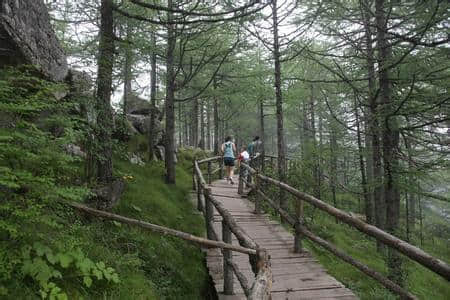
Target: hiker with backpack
[(228, 151), (254, 148)]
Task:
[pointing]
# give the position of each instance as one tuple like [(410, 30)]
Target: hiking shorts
[(228, 161)]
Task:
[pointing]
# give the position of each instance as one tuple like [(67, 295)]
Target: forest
[(349, 98)]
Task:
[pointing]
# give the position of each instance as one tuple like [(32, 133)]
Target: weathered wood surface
[(295, 276)]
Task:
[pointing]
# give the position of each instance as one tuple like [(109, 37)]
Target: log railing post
[(271, 162), (298, 247), (258, 197), (241, 180), (199, 195), (249, 174), (227, 256), (220, 168), (194, 186), (209, 172), (209, 209)]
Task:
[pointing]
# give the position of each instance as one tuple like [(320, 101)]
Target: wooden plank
[(336, 293), (295, 275)]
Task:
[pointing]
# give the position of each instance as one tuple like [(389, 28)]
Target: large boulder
[(138, 106), (140, 122), (107, 196), (27, 37)]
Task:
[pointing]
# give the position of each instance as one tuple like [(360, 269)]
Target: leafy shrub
[(36, 246)]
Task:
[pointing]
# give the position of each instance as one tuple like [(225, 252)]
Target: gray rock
[(109, 195), (138, 106), (140, 122), (160, 152), (27, 37), (82, 90), (136, 160), (74, 150)]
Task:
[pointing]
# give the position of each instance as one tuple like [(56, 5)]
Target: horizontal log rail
[(162, 230), (436, 265), (392, 286), (259, 260), (212, 159)]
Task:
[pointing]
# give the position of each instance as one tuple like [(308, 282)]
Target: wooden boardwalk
[(295, 276)]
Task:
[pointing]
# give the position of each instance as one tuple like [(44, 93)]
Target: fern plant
[(36, 176)]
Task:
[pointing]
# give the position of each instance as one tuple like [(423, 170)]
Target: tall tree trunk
[(373, 125), (208, 125), (333, 162), (104, 89), (194, 123), (216, 121), (127, 71), (202, 125), (315, 152), (186, 126), (390, 141), (262, 133), (362, 168), (279, 106), (151, 132), (180, 126), (170, 101), (411, 201)]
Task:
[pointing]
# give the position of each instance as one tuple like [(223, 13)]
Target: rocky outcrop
[(27, 37), (140, 122), (138, 115), (138, 106), (108, 195)]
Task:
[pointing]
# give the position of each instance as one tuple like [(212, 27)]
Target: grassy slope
[(174, 266), (421, 282), (150, 266)]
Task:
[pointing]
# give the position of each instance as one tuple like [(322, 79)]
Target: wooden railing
[(436, 265), (258, 257)]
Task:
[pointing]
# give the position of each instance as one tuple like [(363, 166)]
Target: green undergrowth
[(420, 281), (51, 251), (161, 267)]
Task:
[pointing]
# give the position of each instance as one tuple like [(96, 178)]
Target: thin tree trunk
[(362, 168), (202, 125), (208, 125), (333, 166), (104, 89), (216, 121), (421, 219), (180, 126), (373, 124), (411, 218), (127, 71), (194, 123), (186, 126), (279, 107), (170, 101), (316, 164), (262, 133), (151, 132)]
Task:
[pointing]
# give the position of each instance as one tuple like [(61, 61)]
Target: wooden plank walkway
[(295, 276)]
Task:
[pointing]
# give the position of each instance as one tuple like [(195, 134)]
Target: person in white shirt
[(243, 157)]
